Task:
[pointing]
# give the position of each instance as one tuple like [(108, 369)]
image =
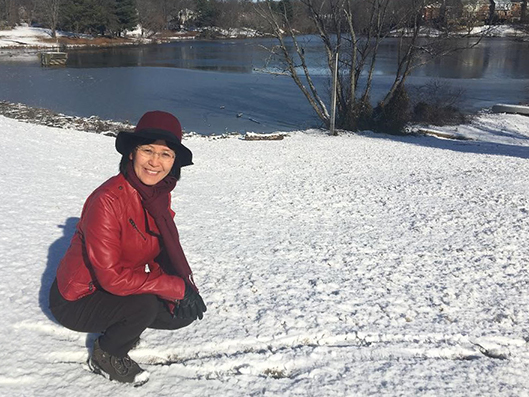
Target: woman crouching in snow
[(125, 270)]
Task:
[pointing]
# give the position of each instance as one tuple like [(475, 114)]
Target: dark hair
[(133, 142)]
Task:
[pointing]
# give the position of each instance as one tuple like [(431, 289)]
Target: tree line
[(116, 17), (95, 17)]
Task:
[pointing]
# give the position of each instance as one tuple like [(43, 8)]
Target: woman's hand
[(192, 305)]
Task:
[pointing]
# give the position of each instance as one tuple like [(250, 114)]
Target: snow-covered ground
[(354, 265), (477, 31), (26, 36), (499, 31), (27, 40), (31, 38)]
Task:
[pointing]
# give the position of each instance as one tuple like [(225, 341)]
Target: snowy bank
[(27, 40), (332, 266), (27, 37), (506, 31)]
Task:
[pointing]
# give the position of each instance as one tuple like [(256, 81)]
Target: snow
[(26, 36), (484, 30), (23, 42), (233, 33), (499, 31), (355, 265), (26, 40)]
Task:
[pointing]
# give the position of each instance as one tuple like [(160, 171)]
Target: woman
[(125, 270)]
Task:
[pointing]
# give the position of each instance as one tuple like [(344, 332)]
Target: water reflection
[(492, 58), (212, 56), (455, 66)]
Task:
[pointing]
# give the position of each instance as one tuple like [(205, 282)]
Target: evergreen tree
[(207, 13), (70, 16), (126, 15), (96, 17), (100, 17)]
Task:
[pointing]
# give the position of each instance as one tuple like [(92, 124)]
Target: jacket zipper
[(131, 221)]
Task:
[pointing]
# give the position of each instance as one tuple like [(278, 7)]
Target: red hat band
[(158, 120)]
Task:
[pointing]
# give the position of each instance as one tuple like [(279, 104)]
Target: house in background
[(507, 11), (482, 11)]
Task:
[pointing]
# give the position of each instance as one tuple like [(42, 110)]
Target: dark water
[(492, 58), (218, 86), (238, 56)]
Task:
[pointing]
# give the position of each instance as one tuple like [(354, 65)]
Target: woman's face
[(152, 162)]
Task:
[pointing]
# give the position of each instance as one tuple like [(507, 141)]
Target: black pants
[(121, 318)]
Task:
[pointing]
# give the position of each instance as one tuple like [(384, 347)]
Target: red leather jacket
[(114, 248)]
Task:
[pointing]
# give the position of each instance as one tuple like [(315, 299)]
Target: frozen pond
[(218, 86)]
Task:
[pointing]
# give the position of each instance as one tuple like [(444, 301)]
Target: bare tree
[(151, 16), (352, 32), (28, 10), (159, 15), (50, 11), (281, 27), (8, 12)]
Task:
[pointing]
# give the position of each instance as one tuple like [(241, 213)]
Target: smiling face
[(152, 162)]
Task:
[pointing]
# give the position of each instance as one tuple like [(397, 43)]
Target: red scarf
[(155, 200)]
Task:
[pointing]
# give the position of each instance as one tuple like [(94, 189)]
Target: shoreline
[(24, 41), (26, 50), (110, 128), (96, 125), (74, 44), (49, 118), (38, 39)]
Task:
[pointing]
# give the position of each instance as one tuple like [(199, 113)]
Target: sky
[(356, 265)]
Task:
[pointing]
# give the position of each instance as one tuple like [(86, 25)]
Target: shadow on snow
[(476, 147), (55, 253)]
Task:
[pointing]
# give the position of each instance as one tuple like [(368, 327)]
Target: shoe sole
[(98, 371)]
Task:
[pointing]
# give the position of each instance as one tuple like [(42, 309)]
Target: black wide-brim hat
[(156, 125)]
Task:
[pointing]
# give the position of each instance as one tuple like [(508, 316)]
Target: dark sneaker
[(124, 369)]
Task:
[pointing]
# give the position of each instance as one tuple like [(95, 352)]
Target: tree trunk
[(492, 12), (51, 10), (310, 93), (354, 29), (442, 15)]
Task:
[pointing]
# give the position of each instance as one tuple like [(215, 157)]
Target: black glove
[(192, 305)]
